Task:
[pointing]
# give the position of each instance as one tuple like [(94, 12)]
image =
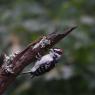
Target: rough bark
[(27, 56)]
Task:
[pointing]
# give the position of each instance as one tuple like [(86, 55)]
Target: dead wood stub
[(27, 56)]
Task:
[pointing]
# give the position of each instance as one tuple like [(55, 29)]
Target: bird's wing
[(44, 60)]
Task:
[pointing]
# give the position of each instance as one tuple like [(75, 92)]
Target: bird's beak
[(61, 51)]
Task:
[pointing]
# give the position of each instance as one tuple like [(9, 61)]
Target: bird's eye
[(58, 51)]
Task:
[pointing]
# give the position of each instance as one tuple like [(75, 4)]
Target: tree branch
[(28, 55)]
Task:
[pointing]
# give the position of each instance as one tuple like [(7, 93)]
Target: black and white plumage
[(46, 63)]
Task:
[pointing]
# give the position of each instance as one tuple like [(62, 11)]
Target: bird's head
[(56, 52)]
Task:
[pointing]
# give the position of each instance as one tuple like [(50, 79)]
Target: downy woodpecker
[(46, 63)]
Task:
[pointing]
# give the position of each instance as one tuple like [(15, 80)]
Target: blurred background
[(22, 21)]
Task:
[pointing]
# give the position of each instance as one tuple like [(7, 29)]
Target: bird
[(46, 63)]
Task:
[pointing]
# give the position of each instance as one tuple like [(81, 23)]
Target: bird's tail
[(32, 76), (28, 72)]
